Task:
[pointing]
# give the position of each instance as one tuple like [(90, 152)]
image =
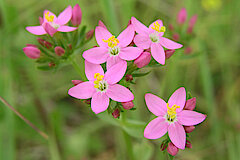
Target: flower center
[(112, 41), (99, 83), (49, 18), (171, 112), (158, 28), (114, 51), (154, 37)]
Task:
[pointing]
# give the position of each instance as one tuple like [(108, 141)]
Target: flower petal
[(49, 29), (50, 14), (91, 69), (101, 24), (66, 29), (96, 55), (130, 53), (65, 16), (142, 41), (37, 30), (156, 128), (126, 37), (112, 60), (116, 72), (139, 27), (102, 34), (158, 53), (155, 104), (177, 135), (169, 44), (83, 90), (119, 93), (190, 118), (178, 98), (99, 102)]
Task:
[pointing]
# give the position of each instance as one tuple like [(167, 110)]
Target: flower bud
[(40, 41), (188, 144), (171, 28), (47, 44), (31, 45), (172, 149), (90, 34), (189, 129), (191, 24), (188, 50), (87, 101), (116, 113), (40, 20), (51, 64), (190, 104), (169, 53), (76, 82), (163, 146), (182, 16), (143, 60), (70, 46), (175, 36), (128, 105), (129, 77), (76, 15), (59, 51), (100, 23), (32, 52)]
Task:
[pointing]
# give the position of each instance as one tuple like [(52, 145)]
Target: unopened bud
[(116, 113), (31, 45), (32, 52), (59, 51), (191, 24), (76, 82), (163, 146), (70, 46), (189, 129), (76, 15), (40, 20), (51, 64), (128, 77), (100, 23), (176, 36), (190, 104), (143, 60), (169, 53), (90, 34), (188, 144), (188, 50), (128, 105), (182, 16), (172, 149), (40, 41), (47, 44), (171, 28)]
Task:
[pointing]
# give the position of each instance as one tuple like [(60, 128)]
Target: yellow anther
[(96, 82), (96, 86), (172, 110), (49, 18), (158, 28), (96, 75), (112, 41), (100, 77)]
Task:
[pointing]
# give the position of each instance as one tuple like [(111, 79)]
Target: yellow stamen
[(96, 75), (172, 110), (98, 78), (112, 41), (158, 28), (49, 18)]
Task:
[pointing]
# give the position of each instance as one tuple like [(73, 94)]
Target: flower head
[(102, 86), (112, 49), (171, 117), (52, 24), (152, 37)]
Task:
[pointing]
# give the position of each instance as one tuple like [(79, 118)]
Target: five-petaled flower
[(171, 117), (111, 49), (152, 37), (101, 87), (51, 23)]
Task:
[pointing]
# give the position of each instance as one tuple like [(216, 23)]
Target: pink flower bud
[(59, 51), (171, 28), (128, 105), (189, 129), (190, 104), (76, 15), (116, 113), (31, 45), (90, 34), (100, 23), (169, 53), (175, 36), (143, 60), (51, 64), (70, 46), (76, 82), (191, 24), (172, 149), (129, 77), (182, 16), (32, 52), (40, 41), (188, 50), (40, 20), (47, 44), (188, 144)]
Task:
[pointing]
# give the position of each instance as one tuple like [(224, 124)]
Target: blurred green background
[(210, 73)]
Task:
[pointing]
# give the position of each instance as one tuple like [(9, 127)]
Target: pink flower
[(101, 87), (112, 50), (152, 37), (171, 117), (32, 52), (182, 16), (51, 23)]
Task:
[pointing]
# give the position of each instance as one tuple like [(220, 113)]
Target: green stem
[(79, 70)]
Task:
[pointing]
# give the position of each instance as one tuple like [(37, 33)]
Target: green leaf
[(44, 68)]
